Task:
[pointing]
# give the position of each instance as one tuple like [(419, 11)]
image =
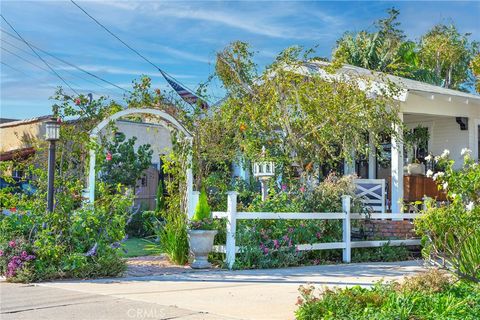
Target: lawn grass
[(136, 247)]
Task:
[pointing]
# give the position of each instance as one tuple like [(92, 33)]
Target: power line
[(13, 68), (68, 71), (27, 61), (46, 63), (127, 45), (67, 63), (32, 63), (36, 77)]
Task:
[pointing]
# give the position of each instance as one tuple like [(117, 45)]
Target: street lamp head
[(52, 130)]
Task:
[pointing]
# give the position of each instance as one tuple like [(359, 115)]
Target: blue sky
[(180, 37)]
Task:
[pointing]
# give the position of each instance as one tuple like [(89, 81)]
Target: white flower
[(437, 158), (429, 173), (438, 175), (469, 206), (428, 158), (445, 185), (445, 154), (466, 152)]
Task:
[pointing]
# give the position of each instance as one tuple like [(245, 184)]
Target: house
[(451, 117), (18, 139)]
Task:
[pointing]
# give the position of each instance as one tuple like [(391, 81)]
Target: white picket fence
[(230, 249)]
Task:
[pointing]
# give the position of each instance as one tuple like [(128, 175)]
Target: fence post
[(192, 203), (347, 252), (231, 228)]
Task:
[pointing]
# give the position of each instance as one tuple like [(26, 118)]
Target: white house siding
[(445, 134)]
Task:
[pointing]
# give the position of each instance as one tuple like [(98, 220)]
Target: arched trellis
[(166, 117)]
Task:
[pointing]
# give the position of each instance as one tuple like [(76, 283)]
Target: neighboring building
[(17, 136)]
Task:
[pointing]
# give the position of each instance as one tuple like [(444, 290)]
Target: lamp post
[(264, 170), (52, 134)]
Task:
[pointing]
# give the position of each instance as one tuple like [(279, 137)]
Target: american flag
[(185, 94)]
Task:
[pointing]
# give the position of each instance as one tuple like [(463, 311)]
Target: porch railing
[(232, 216)]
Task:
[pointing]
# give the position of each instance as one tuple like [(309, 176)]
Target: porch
[(452, 123)]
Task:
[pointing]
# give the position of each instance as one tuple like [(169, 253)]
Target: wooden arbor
[(164, 116)]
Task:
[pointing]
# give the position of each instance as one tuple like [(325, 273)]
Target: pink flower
[(290, 230), (302, 189), (12, 244), (78, 101), (265, 250), (109, 156), (276, 244), (1, 253), (319, 235), (284, 187), (24, 255)]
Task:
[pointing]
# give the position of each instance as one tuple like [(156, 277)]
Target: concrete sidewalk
[(247, 294)]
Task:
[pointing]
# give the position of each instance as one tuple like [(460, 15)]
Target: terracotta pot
[(201, 243)]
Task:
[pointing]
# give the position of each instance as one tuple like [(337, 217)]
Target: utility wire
[(13, 68), (34, 76), (67, 63), (23, 59), (67, 71), (128, 46), (46, 63)]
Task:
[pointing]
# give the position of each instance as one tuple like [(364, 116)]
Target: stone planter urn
[(416, 169), (201, 243)]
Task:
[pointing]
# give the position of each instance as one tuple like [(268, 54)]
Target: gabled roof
[(409, 84)]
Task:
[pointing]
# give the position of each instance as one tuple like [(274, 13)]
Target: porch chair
[(372, 192)]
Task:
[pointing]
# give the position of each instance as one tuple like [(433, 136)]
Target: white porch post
[(372, 159), (397, 168), (91, 176)]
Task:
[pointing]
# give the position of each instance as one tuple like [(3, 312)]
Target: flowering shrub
[(266, 248), (430, 295), (68, 242), (16, 258), (272, 243), (451, 232)]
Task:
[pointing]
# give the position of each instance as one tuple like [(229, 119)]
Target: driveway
[(247, 294)]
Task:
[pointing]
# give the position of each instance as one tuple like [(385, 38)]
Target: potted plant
[(201, 233), (417, 138)]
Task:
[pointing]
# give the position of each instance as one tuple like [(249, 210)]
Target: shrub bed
[(432, 295), (70, 242)]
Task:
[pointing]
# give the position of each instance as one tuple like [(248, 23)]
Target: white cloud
[(120, 70), (273, 21)]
